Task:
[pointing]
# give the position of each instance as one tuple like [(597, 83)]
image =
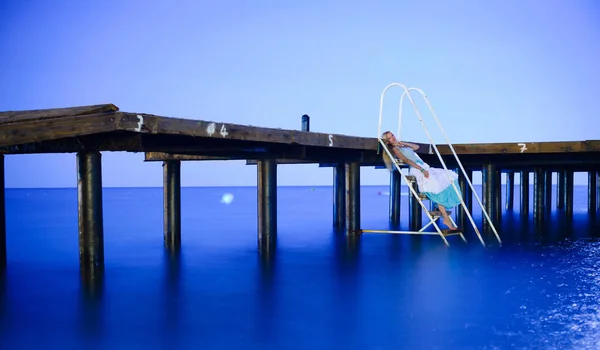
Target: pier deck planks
[(104, 127)]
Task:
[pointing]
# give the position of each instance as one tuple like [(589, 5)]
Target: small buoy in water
[(227, 198)]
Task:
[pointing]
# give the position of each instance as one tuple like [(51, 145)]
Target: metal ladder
[(432, 218)]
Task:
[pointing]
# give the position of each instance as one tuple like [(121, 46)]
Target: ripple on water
[(573, 320)]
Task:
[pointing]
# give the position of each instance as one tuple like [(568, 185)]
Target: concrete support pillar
[(267, 204), (339, 196), (3, 257), (415, 214), (560, 190), (568, 191), (91, 227), (491, 178), (539, 194), (510, 190), (524, 193), (353, 198), (467, 196), (395, 186), (548, 190), (172, 203), (592, 192)]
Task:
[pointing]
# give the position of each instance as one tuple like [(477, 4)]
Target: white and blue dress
[(438, 186)]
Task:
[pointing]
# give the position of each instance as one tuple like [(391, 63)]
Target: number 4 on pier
[(223, 131)]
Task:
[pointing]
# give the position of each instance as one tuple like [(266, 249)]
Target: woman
[(433, 182)]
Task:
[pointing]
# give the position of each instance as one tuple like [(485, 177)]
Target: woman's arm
[(409, 144), (406, 160)]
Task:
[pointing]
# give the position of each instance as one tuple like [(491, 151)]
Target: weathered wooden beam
[(53, 113), (339, 199), (163, 157), (523, 148), (3, 258), (148, 123), (172, 203), (517, 162), (91, 228), (40, 130), (112, 142)]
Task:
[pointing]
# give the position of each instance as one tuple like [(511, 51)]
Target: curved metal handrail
[(407, 93)]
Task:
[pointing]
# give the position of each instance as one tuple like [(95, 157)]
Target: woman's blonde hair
[(386, 158)]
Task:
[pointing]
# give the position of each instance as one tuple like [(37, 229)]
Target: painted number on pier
[(210, 129), (224, 131), (330, 140), (140, 123), (523, 147)]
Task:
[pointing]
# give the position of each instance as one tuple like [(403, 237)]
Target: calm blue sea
[(540, 290)]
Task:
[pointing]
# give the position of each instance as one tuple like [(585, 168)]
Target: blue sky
[(495, 71)]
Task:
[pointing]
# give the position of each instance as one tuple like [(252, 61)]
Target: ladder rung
[(449, 232), (435, 213)]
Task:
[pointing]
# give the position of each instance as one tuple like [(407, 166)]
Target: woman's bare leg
[(446, 220)]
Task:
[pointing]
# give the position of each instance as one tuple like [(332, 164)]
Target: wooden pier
[(89, 130)]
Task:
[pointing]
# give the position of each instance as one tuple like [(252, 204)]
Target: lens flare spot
[(227, 198)]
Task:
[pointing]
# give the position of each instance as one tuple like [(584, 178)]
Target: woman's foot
[(448, 223)]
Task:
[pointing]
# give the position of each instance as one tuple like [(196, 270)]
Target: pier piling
[(548, 191), (592, 192), (498, 206), (560, 190), (510, 189), (2, 215), (415, 212), (539, 194), (597, 190), (395, 182), (172, 203), (353, 198), (339, 196), (490, 180), (568, 192), (524, 193), (267, 204), (91, 229), (467, 196)]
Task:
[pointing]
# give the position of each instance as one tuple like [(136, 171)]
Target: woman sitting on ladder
[(433, 182)]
